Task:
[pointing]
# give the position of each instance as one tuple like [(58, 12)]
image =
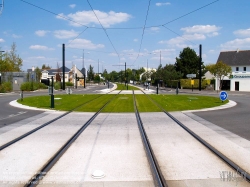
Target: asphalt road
[(235, 119)]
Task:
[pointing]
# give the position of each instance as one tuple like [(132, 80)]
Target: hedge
[(31, 86), (186, 83), (5, 87)]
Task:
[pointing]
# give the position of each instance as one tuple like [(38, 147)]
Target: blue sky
[(39, 34)]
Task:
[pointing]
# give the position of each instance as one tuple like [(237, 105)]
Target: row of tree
[(186, 63)]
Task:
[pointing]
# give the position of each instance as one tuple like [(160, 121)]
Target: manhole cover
[(98, 174)]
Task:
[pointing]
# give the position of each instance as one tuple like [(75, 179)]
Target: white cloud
[(236, 44), (242, 33), (162, 4), (155, 29), (41, 33), (135, 40), (84, 44), (87, 17), (64, 34), (40, 47), (1, 40), (72, 5), (16, 36), (184, 39), (201, 29)]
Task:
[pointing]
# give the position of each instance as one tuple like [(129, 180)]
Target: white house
[(240, 64)]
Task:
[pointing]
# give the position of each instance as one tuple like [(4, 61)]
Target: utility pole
[(125, 73), (200, 68), (160, 57), (63, 63)]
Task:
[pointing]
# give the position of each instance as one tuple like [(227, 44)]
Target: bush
[(5, 87), (186, 83), (57, 85), (31, 86), (69, 84)]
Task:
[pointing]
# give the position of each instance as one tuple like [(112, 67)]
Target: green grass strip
[(186, 102), (123, 87), (61, 102), (122, 103)]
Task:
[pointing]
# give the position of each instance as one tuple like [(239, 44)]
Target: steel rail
[(228, 161), (45, 124), (34, 181), (154, 166)]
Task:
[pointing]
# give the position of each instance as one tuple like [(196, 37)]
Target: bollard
[(21, 95), (177, 91)]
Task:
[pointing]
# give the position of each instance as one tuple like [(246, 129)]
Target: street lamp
[(0, 78)]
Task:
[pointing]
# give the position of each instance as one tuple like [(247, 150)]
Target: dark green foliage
[(188, 63), (5, 87), (31, 86)]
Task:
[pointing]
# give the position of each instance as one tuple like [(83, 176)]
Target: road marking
[(13, 115)]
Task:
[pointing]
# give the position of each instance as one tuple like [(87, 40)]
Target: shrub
[(186, 83), (5, 87), (31, 86), (69, 84), (57, 85)]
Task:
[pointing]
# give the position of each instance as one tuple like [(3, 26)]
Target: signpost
[(192, 83), (223, 95), (191, 75)]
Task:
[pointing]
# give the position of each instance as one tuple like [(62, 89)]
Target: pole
[(52, 105), (160, 57), (125, 73), (200, 68), (63, 63)]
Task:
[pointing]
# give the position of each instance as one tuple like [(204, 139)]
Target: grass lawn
[(124, 102), (123, 87), (61, 102), (186, 102)]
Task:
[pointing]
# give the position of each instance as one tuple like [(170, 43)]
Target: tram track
[(34, 181), (44, 125), (223, 157)]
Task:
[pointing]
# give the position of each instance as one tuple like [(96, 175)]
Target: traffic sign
[(192, 82), (191, 75), (223, 95)]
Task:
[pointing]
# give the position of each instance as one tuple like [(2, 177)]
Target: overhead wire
[(104, 30), (145, 22)]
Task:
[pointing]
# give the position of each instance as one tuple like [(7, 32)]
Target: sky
[(108, 33)]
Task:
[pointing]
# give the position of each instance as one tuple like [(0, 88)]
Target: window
[(237, 68), (244, 68)]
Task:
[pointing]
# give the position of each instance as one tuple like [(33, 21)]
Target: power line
[(178, 34), (143, 30), (104, 30), (125, 28), (78, 35), (190, 12)]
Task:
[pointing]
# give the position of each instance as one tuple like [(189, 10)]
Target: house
[(48, 73), (240, 64)]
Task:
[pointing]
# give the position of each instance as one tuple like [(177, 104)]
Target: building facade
[(240, 64)]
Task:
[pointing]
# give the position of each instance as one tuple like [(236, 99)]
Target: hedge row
[(31, 86), (5, 87), (186, 83)]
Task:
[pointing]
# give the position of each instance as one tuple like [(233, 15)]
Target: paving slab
[(183, 160), (111, 144), (20, 161), (227, 134), (15, 130), (234, 152)]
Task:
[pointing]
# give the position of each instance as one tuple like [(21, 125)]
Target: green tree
[(219, 70), (91, 73), (46, 67), (38, 74), (10, 61), (188, 63), (169, 74)]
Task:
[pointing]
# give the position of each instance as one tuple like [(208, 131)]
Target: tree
[(38, 74), (91, 73), (188, 63), (45, 67), (219, 70), (11, 61), (170, 73)]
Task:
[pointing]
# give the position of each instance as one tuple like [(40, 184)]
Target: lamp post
[(0, 78)]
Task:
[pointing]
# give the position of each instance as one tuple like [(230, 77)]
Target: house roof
[(235, 58), (54, 71)]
